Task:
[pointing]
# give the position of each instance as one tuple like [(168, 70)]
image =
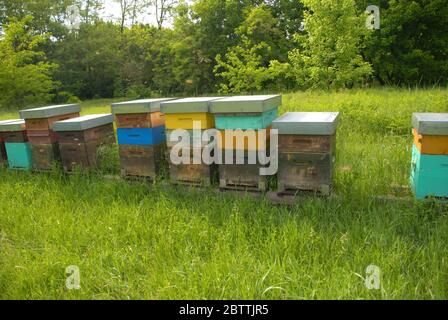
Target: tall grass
[(132, 240)]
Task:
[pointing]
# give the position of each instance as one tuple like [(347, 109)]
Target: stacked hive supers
[(239, 117), (182, 114), (141, 137), (429, 174), (44, 141), (16, 144), (307, 149), (80, 139)]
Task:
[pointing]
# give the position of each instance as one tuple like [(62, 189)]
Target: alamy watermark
[(373, 21), (213, 146), (73, 281), (73, 17), (373, 277)]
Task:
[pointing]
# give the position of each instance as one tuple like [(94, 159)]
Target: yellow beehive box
[(431, 144), (187, 120), (247, 140)]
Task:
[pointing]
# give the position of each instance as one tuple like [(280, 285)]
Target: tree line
[(47, 54)]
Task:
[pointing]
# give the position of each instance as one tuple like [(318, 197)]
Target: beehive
[(244, 123), (81, 137), (189, 114), (429, 172), (306, 150), (17, 149), (141, 136), (43, 139), (3, 156)]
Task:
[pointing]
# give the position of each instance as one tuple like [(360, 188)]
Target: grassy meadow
[(134, 241)]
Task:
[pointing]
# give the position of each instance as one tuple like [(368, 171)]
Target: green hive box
[(138, 106), (83, 123), (19, 156), (50, 111), (245, 121), (429, 175), (188, 105), (431, 123), (246, 104), (307, 123)]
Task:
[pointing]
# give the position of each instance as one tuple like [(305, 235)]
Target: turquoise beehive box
[(19, 156), (429, 175), (246, 112)]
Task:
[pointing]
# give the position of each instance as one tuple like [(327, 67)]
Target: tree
[(411, 46), (163, 8), (25, 75), (242, 69), (329, 53), (245, 67), (90, 60)]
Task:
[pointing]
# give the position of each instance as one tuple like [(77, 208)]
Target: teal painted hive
[(246, 121), (429, 175), (19, 156)]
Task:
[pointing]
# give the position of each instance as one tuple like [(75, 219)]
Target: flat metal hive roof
[(84, 122), (138, 106), (246, 104), (12, 125), (431, 123), (188, 105), (307, 123), (49, 111)]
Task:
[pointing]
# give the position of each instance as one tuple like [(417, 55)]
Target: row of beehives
[(45, 136), (306, 142)]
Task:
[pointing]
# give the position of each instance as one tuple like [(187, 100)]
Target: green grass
[(133, 242)]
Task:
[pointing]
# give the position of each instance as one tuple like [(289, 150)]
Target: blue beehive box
[(429, 175), (141, 136), (19, 156)]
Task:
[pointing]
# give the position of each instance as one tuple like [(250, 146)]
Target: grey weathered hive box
[(84, 122), (50, 111), (188, 105), (12, 125), (307, 123), (138, 106), (246, 104), (431, 123)]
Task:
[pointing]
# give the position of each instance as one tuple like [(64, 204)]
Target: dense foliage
[(233, 46)]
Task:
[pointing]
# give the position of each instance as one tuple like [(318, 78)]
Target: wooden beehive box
[(13, 131), (143, 113), (191, 173), (44, 156), (80, 138), (244, 177), (42, 119), (142, 161), (182, 113), (307, 147), (246, 112)]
